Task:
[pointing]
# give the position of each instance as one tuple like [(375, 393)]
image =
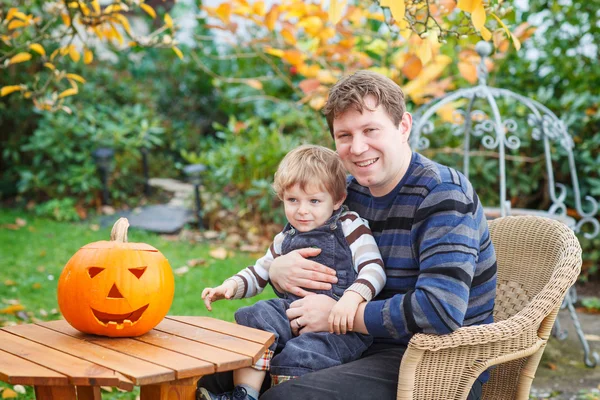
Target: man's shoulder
[(435, 175)]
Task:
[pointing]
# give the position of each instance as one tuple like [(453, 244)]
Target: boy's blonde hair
[(311, 165)]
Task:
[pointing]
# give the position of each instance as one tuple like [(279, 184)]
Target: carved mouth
[(119, 321)]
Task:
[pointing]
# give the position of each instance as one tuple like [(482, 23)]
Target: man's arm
[(445, 238), (293, 273)]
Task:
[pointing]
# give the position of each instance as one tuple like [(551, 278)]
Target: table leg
[(183, 389), (55, 392), (88, 393)]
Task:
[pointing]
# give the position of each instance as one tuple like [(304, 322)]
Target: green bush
[(242, 158)]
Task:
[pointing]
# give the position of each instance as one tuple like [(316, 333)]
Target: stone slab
[(154, 218)]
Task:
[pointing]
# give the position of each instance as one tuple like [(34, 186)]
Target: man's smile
[(366, 163)]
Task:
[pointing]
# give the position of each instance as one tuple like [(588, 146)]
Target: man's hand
[(224, 291), (293, 273), (310, 314), (341, 318)]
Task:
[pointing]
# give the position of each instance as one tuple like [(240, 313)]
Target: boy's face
[(309, 208), (373, 149)]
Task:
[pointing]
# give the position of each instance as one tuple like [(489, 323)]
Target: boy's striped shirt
[(365, 256)]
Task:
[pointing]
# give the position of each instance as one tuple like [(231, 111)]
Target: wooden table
[(63, 363)]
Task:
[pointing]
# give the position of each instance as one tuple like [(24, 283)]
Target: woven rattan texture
[(538, 260)]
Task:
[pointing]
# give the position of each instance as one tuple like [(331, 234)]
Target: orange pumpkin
[(116, 288)]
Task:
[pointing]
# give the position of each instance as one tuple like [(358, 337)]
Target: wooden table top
[(55, 354)]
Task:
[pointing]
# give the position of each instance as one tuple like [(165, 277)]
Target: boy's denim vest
[(335, 252)]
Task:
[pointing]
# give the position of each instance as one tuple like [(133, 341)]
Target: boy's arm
[(252, 280), (367, 258)]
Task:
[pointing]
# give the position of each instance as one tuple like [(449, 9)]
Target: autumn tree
[(318, 40)]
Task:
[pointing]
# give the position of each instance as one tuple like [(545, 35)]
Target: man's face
[(373, 149)]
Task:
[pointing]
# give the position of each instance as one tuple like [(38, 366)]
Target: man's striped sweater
[(436, 248)]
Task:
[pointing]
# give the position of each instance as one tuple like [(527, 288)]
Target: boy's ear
[(337, 205)]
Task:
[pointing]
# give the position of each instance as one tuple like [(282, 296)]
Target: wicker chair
[(538, 260)]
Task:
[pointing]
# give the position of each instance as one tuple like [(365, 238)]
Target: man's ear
[(337, 205), (405, 126)]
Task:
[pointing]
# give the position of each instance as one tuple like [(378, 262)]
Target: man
[(431, 232)]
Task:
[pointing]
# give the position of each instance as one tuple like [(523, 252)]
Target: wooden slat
[(183, 365), (139, 371), (216, 339), (80, 372), (18, 371), (222, 359), (243, 332)]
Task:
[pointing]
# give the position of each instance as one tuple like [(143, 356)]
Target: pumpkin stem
[(119, 231)]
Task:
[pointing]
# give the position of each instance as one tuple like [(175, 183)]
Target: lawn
[(33, 252)]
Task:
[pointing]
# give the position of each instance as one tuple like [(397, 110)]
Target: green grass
[(32, 258)]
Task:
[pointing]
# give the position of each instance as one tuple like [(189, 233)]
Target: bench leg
[(184, 389), (55, 393), (88, 393)]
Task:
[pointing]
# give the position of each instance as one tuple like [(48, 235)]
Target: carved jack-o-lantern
[(116, 288)]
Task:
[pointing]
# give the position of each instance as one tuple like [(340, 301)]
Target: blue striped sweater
[(435, 244)]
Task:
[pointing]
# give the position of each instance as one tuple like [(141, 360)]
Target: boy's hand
[(224, 291), (341, 319)]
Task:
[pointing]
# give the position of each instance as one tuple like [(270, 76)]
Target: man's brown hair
[(350, 92), (308, 165)]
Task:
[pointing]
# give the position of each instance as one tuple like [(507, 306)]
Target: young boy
[(311, 182)]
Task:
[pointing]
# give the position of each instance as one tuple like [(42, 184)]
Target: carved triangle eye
[(138, 272), (93, 271)]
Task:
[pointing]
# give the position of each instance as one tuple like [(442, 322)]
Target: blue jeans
[(298, 355)]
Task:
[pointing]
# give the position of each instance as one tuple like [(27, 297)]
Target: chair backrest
[(538, 260)]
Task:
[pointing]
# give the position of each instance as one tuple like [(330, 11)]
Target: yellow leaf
[(37, 48), (424, 51), (96, 6), (258, 8), (326, 76), (149, 10), (54, 53), (335, 10), (271, 17), (14, 24), (178, 52), (9, 89), (19, 58), (88, 56), (49, 66), (21, 16), (12, 309), (485, 33), (288, 36), (66, 19), (468, 5), (68, 92), (76, 77), (312, 25), (293, 57), (121, 19), (168, 21), (224, 12), (515, 40), (397, 7), (478, 17), (254, 83), (11, 13), (274, 52), (8, 393), (74, 54)]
